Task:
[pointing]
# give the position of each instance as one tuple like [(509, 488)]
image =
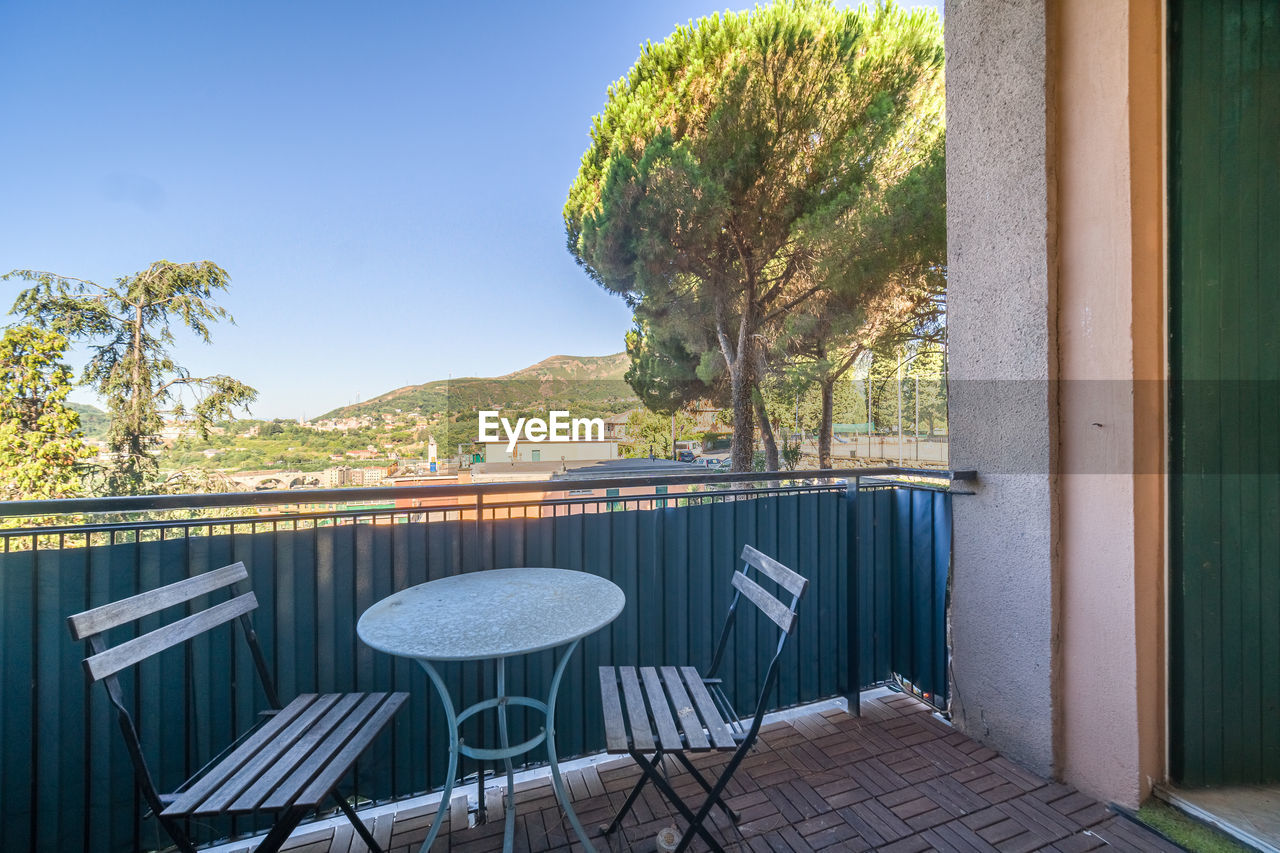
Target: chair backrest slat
[(772, 607), (133, 651), (792, 582), (135, 607)]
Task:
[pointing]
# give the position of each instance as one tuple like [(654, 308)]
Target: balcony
[(875, 547), (895, 779)]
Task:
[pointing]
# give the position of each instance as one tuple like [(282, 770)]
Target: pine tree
[(129, 328), (725, 166)]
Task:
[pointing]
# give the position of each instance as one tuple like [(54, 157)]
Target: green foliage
[(40, 445), (650, 431), (793, 399), (923, 371), (791, 451), (882, 387), (129, 328), (737, 161), (293, 447), (667, 372)]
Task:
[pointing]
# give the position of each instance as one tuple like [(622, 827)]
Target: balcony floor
[(895, 779)]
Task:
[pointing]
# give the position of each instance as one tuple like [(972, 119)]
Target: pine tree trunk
[(772, 461), (744, 427), (742, 375), (824, 433)]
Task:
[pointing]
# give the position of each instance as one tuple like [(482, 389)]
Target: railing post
[(479, 532), (853, 676)]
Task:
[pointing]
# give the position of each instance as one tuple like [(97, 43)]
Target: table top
[(491, 614)]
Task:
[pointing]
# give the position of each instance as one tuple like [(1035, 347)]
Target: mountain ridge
[(432, 396)]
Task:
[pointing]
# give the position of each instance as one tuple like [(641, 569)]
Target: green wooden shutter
[(1224, 488)]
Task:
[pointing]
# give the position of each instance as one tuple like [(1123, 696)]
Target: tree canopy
[(128, 327), (742, 160)]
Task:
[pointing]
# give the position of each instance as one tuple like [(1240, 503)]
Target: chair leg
[(631, 798), (694, 821), (356, 822), (713, 796), (280, 833), (177, 833), (706, 786)]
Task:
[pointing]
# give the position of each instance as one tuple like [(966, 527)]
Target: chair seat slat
[(327, 742), (187, 801), (770, 606), (721, 736), (139, 649), (302, 751), (615, 730), (341, 762), (135, 607), (685, 712), (641, 734), (784, 577), (218, 800), (668, 734)]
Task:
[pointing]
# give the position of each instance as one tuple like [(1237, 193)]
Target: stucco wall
[(1055, 204), (1000, 315)]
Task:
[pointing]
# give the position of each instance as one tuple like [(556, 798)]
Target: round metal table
[(486, 615)]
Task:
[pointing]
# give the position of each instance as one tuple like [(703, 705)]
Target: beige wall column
[(1110, 326)]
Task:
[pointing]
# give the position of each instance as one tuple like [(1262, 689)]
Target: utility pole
[(916, 434), (900, 458), (870, 420), (674, 456)]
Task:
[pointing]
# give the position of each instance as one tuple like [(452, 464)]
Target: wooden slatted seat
[(288, 765), (650, 712), (675, 699)]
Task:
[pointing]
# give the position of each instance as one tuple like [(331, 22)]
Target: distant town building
[(615, 426), (342, 424), (550, 451), (336, 478)]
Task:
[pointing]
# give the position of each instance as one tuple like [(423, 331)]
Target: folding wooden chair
[(674, 710), (287, 765)]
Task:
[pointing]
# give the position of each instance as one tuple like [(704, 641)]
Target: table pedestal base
[(506, 752)]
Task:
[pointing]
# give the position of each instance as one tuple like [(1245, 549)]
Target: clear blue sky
[(382, 181)]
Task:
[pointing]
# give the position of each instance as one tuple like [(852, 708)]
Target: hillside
[(607, 367), (593, 383), (399, 423), (93, 421)]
